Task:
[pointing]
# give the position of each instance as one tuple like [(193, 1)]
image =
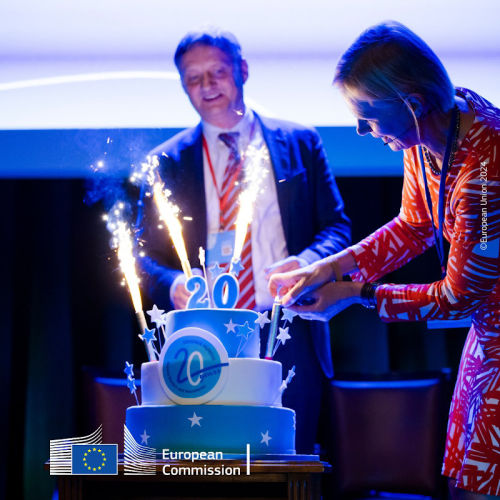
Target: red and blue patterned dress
[(471, 286)]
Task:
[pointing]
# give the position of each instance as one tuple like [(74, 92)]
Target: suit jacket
[(311, 207)]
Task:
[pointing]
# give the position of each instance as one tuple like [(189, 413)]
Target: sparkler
[(273, 327), (123, 244), (168, 211), (146, 174), (255, 173), (169, 214)]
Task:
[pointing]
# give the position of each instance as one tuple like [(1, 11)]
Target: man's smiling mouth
[(212, 97)]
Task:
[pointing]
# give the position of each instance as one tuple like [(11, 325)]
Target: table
[(269, 479)]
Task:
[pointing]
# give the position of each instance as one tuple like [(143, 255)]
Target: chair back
[(388, 435)]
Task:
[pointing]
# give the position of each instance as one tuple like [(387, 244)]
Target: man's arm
[(313, 208), (160, 265), (181, 168)]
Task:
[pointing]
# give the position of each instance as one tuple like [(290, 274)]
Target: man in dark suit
[(298, 215)]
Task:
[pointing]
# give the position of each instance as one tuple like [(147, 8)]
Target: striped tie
[(231, 188)]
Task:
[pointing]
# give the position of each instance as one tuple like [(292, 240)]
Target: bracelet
[(368, 297)]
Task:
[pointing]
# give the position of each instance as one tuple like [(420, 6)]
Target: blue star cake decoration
[(244, 330), (236, 267), (131, 385), (215, 270), (129, 369), (148, 335)]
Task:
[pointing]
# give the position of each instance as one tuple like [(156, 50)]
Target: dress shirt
[(268, 237)]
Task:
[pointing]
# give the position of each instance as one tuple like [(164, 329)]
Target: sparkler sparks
[(123, 243), (146, 172), (127, 262), (169, 214), (255, 173), (168, 211)]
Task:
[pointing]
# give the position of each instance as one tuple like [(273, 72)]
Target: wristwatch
[(368, 297)]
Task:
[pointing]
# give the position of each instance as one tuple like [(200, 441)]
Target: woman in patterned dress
[(400, 92)]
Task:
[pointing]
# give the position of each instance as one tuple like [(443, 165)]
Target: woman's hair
[(389, 61)]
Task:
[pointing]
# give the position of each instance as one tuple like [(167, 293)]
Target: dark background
[(62, 306)]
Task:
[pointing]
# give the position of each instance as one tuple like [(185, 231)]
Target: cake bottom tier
[(214, 428)]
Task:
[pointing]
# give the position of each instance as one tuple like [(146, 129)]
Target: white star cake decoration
[(156, 315), (263, 318), (195, 420), (265, 437), (283, 335), (231, 327), (145, 437), (288, 315)]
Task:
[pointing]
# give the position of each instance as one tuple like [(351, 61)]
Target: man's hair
[(212, 37), (389, 61)]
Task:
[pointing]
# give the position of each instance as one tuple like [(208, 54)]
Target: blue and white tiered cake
[(209, 391)]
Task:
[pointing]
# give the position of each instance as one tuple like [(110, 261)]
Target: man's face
[(208, 78)]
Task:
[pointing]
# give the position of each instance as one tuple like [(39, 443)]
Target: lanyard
[(211, 167), (438, 234)]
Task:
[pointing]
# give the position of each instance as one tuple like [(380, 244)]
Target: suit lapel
[(195, 230), (277, 143)]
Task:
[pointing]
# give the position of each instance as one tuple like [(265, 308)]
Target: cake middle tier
[(254, 382)]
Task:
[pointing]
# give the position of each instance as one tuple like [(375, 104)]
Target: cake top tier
[(235, 328)]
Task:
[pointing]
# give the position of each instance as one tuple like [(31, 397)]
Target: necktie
[(231, 189)]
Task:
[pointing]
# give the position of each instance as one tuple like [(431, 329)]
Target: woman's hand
[(285, 265), (294, 284), (329, 300)]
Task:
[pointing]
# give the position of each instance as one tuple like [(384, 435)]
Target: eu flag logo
[(94, 459)]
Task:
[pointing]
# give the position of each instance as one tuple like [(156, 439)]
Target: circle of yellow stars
[(91, 451)]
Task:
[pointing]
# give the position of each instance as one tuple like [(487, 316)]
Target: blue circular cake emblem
[(193, 366)]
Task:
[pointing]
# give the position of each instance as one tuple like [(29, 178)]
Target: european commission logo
[(83, 455), (94, 459)]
